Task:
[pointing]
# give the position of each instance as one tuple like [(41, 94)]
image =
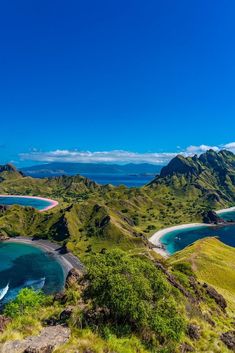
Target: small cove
[(39, 203), (23, 265), (178, 239)]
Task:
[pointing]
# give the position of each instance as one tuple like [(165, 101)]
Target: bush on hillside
[(26, 302), (136, 295)]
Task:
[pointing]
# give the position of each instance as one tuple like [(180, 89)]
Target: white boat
[(4, 291)]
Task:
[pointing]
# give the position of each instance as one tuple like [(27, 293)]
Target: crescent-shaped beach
[(155, 239)]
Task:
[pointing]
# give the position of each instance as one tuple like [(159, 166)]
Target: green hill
[(165, 306), (213, 262), (209, 177), (126, 217), (9, 172)]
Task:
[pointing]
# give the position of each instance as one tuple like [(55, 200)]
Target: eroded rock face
[(193, 332), (66, 314), (50, 338), (3, 208), (211, 217), (73, 277), (229, 339), (219, 299)]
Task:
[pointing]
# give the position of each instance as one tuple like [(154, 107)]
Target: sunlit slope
[(213, 262)]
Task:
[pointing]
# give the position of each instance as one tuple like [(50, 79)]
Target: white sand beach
[(53, 203), (156, 237), (230, 209)]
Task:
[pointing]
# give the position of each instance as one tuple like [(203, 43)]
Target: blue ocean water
[(228, 216), (123, 179), (24, 265), (179, 239), (25, 201)]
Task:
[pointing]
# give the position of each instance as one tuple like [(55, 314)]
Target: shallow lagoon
[(24, 265), (178, 239), (38, 203)]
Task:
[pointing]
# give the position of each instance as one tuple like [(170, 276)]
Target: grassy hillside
[(213, 262), (126, 304), (91, 217), (152, 297), (209, 178)]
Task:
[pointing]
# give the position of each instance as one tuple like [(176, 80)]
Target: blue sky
[(150, 77)]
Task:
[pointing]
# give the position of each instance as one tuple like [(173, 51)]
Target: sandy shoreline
[(67, 261), (53, 203), (224, 210), (155, 239)]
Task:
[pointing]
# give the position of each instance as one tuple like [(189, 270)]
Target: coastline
[(155, 239), (225, 210), (67, 260), (53, 203)]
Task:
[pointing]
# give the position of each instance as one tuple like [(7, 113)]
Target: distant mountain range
[(57, 169)]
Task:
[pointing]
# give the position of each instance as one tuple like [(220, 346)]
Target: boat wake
[(7, 294), (4, 291)]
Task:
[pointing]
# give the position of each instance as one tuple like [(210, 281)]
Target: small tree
[(26, 302)]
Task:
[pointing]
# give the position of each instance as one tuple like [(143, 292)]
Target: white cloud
[(201, 149), (117, 156), (230, 146), (97, 157)]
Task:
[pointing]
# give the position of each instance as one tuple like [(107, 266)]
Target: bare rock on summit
[(50, 338)]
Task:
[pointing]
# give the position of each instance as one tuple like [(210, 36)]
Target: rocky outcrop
[(173, 281), (218, 298), (193, 331), (49, 339), (3, 236), (66, 314), (3, 208), (229, 339), (182, 165), (9, 171), (208, 319), (211, 176), (185, 348), (8, 168), (211, 217), (73, 277)]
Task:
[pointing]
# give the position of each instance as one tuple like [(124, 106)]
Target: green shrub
[(185, 268), (135, 293), (26, 302)]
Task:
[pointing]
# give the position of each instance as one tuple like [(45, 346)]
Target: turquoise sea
[(25, 201), (28, 266), (120, 179), (179, 239)]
